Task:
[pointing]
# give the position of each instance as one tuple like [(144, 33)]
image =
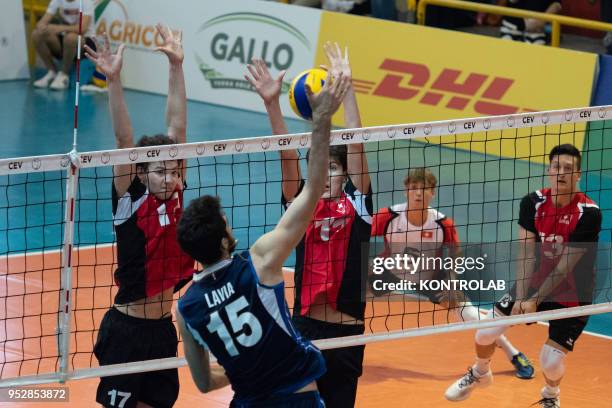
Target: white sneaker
[(463, 387), (46, 80), (549, 403), (60, 82), (93, 88)]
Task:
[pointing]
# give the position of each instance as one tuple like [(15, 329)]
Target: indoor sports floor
[(413, 372)]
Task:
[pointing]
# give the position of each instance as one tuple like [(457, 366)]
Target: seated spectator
[(529, 30), (58, 37)]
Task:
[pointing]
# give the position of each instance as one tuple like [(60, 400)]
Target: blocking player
[(328, 267), (415, 227), (563, 221), (236, 307), (147, 204)]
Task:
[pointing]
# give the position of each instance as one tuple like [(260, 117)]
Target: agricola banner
[(402, 73), (219, 37)]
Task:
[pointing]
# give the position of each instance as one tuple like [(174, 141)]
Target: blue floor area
[(479, 192), (40, 121)]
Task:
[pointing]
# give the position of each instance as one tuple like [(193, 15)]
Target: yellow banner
[(407, 73)]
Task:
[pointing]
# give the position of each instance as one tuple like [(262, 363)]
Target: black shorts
[(124, 339), (338, 386), (88, 41), (564, 332), (310, 399)]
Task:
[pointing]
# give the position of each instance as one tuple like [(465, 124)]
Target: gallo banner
[(219, 37), (13, 49), (405, 73)]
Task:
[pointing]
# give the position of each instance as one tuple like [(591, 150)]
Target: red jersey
[(579, 221), (329, 258), (149, 257), (392, 223), (403, 237)]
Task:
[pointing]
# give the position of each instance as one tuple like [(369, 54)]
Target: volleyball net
[(57, 242)]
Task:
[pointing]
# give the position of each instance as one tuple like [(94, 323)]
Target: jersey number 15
[(239, 320)]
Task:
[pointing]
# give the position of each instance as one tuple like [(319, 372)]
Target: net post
[(65, 311)]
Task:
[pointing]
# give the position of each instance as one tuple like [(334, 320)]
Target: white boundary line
[(302, 140), (57, 251)]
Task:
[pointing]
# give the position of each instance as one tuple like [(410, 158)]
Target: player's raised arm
[(176, 105), (357, 162), (206, 377), (110, 65), (269, 89), (271, 250)]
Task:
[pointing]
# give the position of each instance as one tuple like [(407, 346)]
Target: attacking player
[(563, 221), (328, 266), (236, 307), (147, 203), (415, 227)]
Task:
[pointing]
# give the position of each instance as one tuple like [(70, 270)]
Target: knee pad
[(485, 337), (552, 362), (466, 312)]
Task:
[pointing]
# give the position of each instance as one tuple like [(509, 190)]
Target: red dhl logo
[(461, 93)]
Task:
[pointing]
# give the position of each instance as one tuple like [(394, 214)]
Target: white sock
[(550, 392), (482, 366), (508, 348)]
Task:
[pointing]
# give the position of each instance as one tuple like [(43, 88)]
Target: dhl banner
[(405, 73), (402, 73)]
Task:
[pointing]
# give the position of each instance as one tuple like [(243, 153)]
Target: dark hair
[(568, 149), (337, 153), (155, 140), (201, 229)]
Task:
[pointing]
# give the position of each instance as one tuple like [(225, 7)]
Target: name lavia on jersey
[(217, 296)]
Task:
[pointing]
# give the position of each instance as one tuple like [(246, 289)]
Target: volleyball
[(298, 100)]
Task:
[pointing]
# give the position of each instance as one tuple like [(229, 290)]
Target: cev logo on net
[(407, 80)]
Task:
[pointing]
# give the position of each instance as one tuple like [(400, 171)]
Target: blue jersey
[(247, 326)]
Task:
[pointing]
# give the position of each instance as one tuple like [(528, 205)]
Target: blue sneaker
[(524, 369)]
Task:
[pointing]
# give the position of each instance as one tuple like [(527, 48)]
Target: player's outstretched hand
[(173, 44), (325, 103), (338, 63), (107, 62), (267, 87)]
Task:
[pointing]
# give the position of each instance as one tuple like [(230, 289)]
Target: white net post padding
[(66, 276)]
